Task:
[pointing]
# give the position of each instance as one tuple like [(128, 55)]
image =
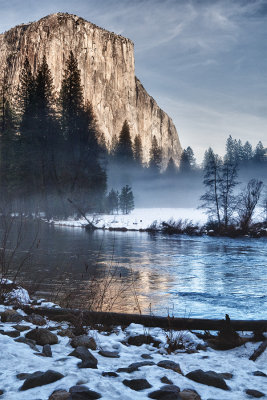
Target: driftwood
[(259, 351), (110, 318)]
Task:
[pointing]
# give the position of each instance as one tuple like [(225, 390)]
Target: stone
[(41, 378), (259, 373), (42, 336), (109, 354), (66, 332), (209, 378), (21, 328), (35, 319), (166, 380), (80, 392), (110, 374), (167, 364), (255, 393), (29, 342), (83, 340), (13, 334), (146, 356), (189, 394), (226, 375), (107, 75), (1, 392), (47, 350), (167, 392), (11, 316), (88, 360), (137, 384), (139, 340), (23, 375), (135, 366), (60, 395)]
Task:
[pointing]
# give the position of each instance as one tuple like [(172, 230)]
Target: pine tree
[(155, 161), (137, 150), (187, 161), (126, 200), (259, 154), (124, 151), (247, 152), (112, 201), (211, 198), (171, 169)]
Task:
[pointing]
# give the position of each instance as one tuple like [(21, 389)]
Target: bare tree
[(228, 181), (247, 203)]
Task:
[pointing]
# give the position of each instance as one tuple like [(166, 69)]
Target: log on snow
[(111, 318), (259, 351)]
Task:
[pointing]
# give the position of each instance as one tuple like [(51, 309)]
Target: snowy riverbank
[(140, 218), (118, 363)]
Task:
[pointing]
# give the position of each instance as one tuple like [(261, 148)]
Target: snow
[(139, 218), (20, 295), (18, 357)]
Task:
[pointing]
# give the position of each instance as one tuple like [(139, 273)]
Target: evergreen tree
[(124, 151), (112, 201), (211, 198), (126, 200), (155, 161), (247, 152), (171, 169), (259, 153), (137, 150)]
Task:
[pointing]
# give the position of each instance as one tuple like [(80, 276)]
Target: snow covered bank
[(140, 218)]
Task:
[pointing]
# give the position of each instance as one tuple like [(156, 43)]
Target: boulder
[(166, 380), (13, 334), (209, 378), (167, 392), (135, 366), (259, 373), (88, 360), (21, 328), (109, 354), (29, 342), (47, 350), (60, 395), (167, 364), (110, 374), (35, 319), (137, 384), (66, 332), (11, 316), (146, 356), (139, 340), (41, 378), (42, 336), (255, 393), (189, 394), (80, 392), (83, 340)]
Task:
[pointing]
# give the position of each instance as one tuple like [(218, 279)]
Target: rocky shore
[(43, 359)]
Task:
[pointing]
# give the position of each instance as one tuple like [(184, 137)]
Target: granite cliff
[(106, 61)]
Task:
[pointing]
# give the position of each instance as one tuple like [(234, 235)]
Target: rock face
[(106, 61)]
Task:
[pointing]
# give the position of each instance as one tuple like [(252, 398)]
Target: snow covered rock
[(42, 336), (41, 378), (83, 340), (167, 364), (167, 392), (137, 384), (80, 392), (209, 378)]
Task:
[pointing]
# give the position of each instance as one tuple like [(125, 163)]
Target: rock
[(147, 356), (209, 378), (82, 381), (254, 393), (29, 342), (22, 376), (139, 340), (35, 319), (11, 316), (137, 384), (189, 394), (80, 392), (83, 340), (13, 334), (166, 380), (111, 374), (170, 365), (135, 366), (41, 378), (42, 336), (47, 350), (259, 373), (88, 360), (108, 60), (109, 354), (1, 392), (21, 328), (167, 392), (66, 332), (226, 375), (60, 395), (127, 370)]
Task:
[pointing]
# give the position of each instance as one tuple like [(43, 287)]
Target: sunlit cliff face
[(106, 62)]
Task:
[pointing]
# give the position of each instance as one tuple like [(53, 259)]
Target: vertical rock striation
[(106, 61)]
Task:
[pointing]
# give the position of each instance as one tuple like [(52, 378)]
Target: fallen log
[(111, 318), (259, 351)]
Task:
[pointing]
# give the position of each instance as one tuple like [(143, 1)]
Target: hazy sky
[(205, 62)]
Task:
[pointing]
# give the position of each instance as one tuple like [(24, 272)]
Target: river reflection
[(185, 276)]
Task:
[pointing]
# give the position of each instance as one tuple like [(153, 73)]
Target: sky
[(204, 61)]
